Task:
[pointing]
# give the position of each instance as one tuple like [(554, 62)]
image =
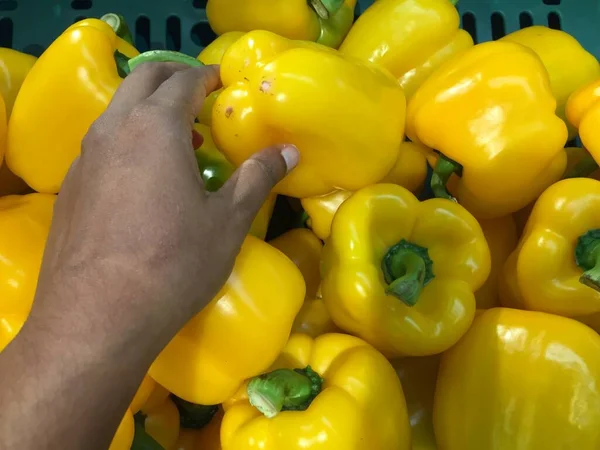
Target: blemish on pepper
[(228, 111), (265, 86)]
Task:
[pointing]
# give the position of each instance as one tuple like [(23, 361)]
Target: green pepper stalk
[(326, 8), (284, 390), (119, 25), (407, 269), (587, 257), (442, 172)]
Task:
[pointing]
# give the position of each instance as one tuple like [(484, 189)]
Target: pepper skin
[(583, 112), (520, 380), (321, 211), (66, 90), (410, 38), (239, 333), (322, 21), (410, 169), (142, 395), (418, 377), (24, 223), (3, 127), (14, 67), (491, 112), (402, 274), (501, 236), (278, 90), (124, 436), (351, 397), (162, 424), (569, 65), (206, 438), (555, 265)]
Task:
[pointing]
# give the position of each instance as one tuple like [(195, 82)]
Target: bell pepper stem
[(587, 257), (122, 62), (583, 168), (407, 268), (163, 56), (444, 169), (117, 22), (454, 2), (284, 390), (326, 8)]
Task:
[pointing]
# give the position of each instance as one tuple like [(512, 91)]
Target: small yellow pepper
[(346, 117), (418, 377), (321, 211), (556, 268), (162, 424), (239, 333), (124, 436), (400, 273), (569, 65), (410, 38), (24, 223), (583, 112), (322, 21), (501, 236), (491, 114), (520, 380), (14, 67), (343, 394)]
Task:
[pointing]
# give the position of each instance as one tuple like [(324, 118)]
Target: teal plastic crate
[(30, 25)]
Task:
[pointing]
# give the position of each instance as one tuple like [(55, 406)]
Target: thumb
[(251, 184)]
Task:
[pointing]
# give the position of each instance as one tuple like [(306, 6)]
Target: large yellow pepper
[(123, 437), (418, 377), (401, 274), (346, 117), (569, 65), (343, 394), (14, 67), (65, 92), (557, 263), (583, 112), (491, 114), (239, 333), (24, 225), (501, 236), (410, 38), (322, 21), (520, 380), (304, 249)]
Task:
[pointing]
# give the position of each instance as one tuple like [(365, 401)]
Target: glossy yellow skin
[(583, 112), (419, 377), (569, 65), (283, 91), (293, 19), (213, 52), (547, 276), (157, 397), (124, 436), (520, 380), (162, 424), (143, 393), (501, 236), (361, 402), (239, 333), (491, 110), (206, 438), (410, 38), (321, 210), (24, 224), (14, 67), (364, 228), (3, 128), (66, 90)]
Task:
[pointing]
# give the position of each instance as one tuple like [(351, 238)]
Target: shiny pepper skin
[(345, 117), (14, 67)]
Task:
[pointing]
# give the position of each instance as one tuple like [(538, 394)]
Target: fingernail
[(291, 156)]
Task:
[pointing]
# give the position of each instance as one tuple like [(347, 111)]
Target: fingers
[(251, 184), (141, 84), (188, 89)]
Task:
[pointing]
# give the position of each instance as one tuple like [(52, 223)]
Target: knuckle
[(259, 165)]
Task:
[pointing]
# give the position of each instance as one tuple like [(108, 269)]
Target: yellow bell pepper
[(321, 211), (142, 395), (402, 274), (283, 91), (583, 112), (14, 67), (557, 263), (322, 21), (24, 225), (65, 92), (304, 249), (491, 114), (161, 423), (569, 65), (3, 128), (410, 38), (239, 333), (206, 438), (158, 395), (520, 380), (418, 377), (124, 436), (501, 236), (343, 394)]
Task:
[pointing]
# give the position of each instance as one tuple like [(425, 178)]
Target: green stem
[(117, 22), (444, 169), (193, 416), (122, 62), (583, 168), (163, 56), (587, 256), (284, 390), (326, 8), (454, 2), (407, 269)]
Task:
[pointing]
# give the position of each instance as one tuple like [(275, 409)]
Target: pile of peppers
[(428, 276)]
